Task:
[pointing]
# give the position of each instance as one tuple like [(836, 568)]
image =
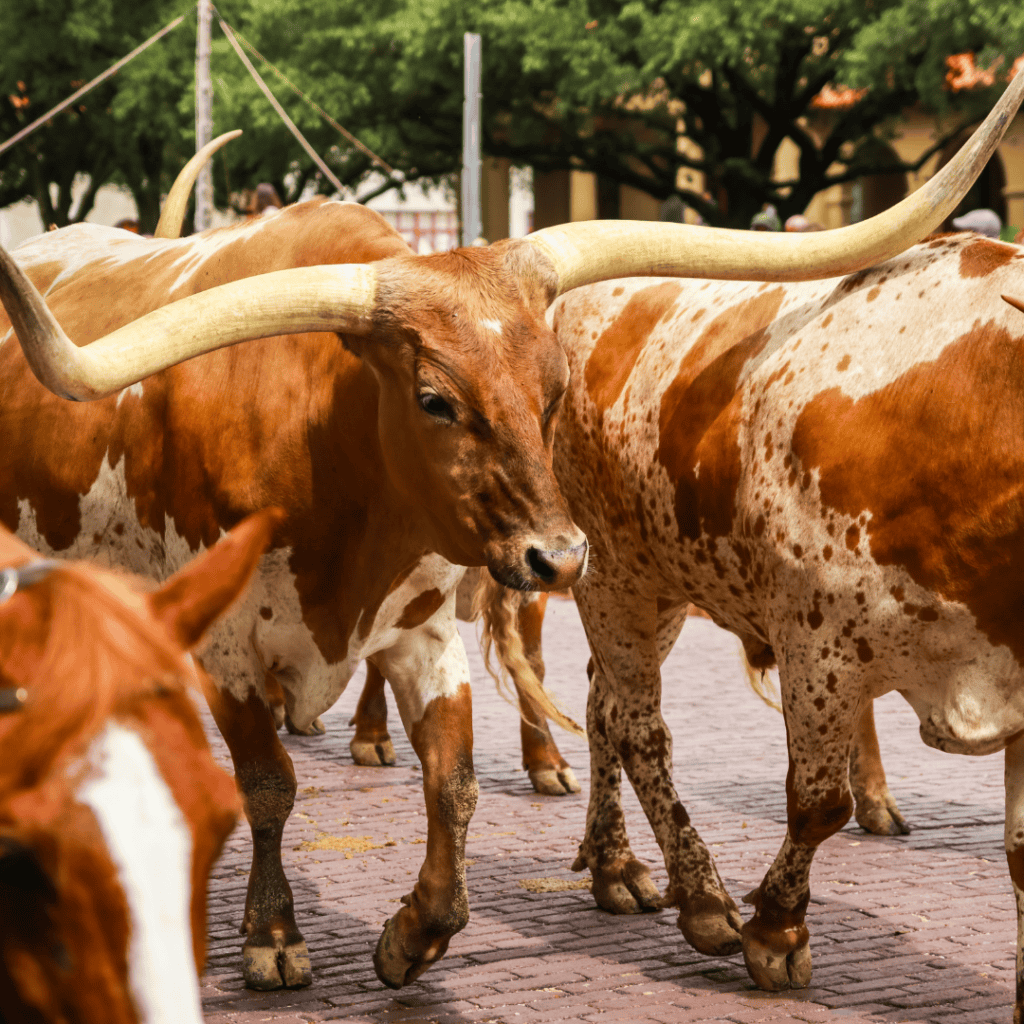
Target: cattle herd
[(817, 438)]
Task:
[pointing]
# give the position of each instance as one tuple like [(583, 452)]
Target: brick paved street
[(917, 929)]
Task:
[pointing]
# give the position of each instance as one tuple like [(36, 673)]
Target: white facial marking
[(492, 325), (151, 847)]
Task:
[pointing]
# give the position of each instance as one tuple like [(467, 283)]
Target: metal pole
[(204, 117), (472, 225)]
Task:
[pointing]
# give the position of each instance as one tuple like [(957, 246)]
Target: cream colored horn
[(172, 216), (589, 251), (325, 298)]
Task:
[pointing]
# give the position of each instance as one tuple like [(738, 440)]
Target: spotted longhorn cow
[(400, 409), (835, 471), (112, 809)]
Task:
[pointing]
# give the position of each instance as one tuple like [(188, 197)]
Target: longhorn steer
[(834, 470), (418, 444), (112, 810)]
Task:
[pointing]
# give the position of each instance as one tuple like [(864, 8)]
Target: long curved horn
[(590, 251), (172, 216), (325, 298)]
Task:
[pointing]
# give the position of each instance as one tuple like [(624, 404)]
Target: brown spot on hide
[(853, 537), (982, 257), (873, 294), (843, 363), (864, 651), (420, 608), (936, 458), (679, 816), (826, 552), (700, 416), (617, 350), (267, 613)]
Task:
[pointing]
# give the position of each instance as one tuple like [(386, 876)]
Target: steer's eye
[(434, 405)]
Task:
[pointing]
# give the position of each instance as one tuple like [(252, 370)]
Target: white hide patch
[(244, 644), (492, 325), (151, 846), (135, 390)]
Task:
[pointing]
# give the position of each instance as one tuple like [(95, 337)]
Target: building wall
[(565, 195)]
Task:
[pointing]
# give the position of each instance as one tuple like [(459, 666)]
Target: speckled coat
[(833, 469)]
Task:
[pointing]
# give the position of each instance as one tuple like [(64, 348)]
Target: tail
[(760, 682), (498, 608)]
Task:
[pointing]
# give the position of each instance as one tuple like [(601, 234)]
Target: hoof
[(394, 966), (315, 728), (554, 781), (372, 755), (277, 966), (774, 968), (881, 817), (624, 887), (714, 932)]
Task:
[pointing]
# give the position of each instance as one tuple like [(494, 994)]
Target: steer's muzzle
[(546, 568)]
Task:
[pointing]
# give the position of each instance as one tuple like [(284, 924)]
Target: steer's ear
[(189, 602), (538, 282)]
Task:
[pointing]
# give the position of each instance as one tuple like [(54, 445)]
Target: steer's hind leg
[(624, 723), (1014, 838), (821, 711), (274, 954), (430, 679), (549, 771), (876, 809), (371, 744)]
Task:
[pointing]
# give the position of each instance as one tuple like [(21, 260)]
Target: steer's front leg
[(274, 954), (429, 675)]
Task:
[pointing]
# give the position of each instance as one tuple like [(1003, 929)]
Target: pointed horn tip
[(1016, 303)]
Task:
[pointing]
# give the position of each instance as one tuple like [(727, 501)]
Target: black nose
[(548, 566)]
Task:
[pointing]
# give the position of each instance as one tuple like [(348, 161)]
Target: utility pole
[(204, 117), (472, 225)]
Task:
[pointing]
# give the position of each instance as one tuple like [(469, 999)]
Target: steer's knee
[(811, 826), (268, 796)]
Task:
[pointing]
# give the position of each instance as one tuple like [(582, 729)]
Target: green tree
[(54, 46), (612, 87)]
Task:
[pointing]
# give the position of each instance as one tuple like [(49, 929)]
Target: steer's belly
[(314, 668)]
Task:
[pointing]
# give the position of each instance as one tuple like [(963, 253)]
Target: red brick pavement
[(918, 929)]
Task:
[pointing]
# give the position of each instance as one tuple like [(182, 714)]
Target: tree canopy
[(611, 87), (600, 85)]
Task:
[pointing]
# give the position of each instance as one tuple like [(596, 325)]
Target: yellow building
[(562, 196)]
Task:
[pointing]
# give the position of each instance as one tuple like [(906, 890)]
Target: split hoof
[(554, 781), (394, 966), (881, 817), (315, 728), (714, 932), (277, 966), (372, 754), (624, 887), (775, 968)]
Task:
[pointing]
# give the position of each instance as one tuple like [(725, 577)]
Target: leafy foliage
[(602, 85)]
